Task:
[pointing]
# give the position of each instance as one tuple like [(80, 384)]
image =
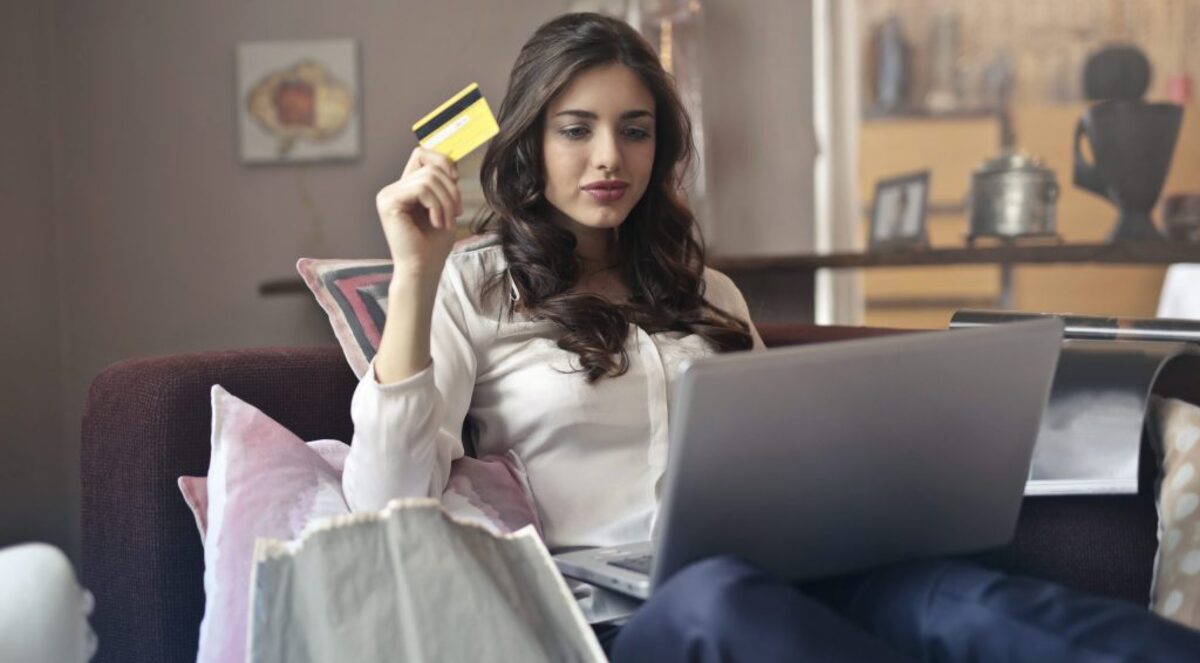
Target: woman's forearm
[(404, 345)]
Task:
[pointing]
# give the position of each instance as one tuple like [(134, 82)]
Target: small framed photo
[(898, 213)]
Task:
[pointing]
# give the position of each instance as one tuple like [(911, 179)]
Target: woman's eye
[(573, 133), (637, 133)]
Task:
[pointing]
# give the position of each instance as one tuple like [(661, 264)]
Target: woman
[(557, 340)]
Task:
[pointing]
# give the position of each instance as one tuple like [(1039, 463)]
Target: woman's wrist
[(413, 276)]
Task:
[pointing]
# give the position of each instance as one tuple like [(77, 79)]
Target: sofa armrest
[(146, 422)]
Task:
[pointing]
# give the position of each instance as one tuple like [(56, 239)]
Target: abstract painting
[(298, 101)]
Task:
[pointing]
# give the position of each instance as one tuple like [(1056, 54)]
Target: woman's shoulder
[(485, 245), (472, 269), (476, 257), (720, 290)]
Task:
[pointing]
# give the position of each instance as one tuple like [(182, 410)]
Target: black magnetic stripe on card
[(448, 114)]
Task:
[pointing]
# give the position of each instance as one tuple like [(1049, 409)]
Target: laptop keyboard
[(637, 564)]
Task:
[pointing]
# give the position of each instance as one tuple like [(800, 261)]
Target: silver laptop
[(827, 459)]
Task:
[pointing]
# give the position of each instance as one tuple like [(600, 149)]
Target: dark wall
[(35, 480)]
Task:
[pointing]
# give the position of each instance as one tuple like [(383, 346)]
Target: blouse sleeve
[(407, 433)]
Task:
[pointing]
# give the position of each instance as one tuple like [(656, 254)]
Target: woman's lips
[(606, 192)]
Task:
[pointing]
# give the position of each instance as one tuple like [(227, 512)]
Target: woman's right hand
[(418, 213)]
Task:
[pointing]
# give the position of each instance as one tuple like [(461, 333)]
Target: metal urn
[(1012, 196)]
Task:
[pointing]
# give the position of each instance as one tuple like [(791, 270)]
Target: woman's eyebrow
[(588, 115)]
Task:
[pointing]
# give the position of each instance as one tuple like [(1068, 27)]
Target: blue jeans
[(723, 609)]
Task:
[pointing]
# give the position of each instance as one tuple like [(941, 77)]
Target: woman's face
[(598, 147)]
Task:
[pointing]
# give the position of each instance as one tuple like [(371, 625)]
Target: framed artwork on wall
[(298, 101), (898, 213)]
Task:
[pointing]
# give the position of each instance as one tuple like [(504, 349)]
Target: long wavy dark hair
[(661, 254)]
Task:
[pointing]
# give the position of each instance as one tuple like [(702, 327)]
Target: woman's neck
[(596, 249), (598, 256)]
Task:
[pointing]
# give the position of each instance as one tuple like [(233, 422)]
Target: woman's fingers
[(422, 157), (429, 186), (414, 162), (429, 181), (430, 201), (422, 189), (447, 191), (439, 161)]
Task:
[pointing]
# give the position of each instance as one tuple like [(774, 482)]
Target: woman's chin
[(608, 223), (609, 217), (592, 217), (606, 220)]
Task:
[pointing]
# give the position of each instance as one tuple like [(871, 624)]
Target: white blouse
[(594, 454)]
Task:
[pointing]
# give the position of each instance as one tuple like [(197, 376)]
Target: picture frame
[(898, 212), (298, 101)]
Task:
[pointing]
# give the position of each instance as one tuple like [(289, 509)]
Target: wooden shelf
[(924, 114), (289, 285), (1128, 253)]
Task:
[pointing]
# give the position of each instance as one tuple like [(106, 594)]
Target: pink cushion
[(264, 481), (195, 494), (493, 491)]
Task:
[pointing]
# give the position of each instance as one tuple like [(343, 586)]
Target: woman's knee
[(702, 593), (727, 609), (686, 617), (966, 612), (694, 598)]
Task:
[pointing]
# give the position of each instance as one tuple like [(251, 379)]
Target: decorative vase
[(893, 66), (1132, 143)]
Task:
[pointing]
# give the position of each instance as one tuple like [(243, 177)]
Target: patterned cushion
[(353, 293), (1176, 593)]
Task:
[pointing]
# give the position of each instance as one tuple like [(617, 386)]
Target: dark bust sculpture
[(1131, 141)]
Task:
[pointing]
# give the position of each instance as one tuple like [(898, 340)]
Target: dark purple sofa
[(147, 422)]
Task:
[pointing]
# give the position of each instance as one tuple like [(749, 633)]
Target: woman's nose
[(606, 152)]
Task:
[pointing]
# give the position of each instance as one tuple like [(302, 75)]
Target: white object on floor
[(43, 609), (1180, 297)]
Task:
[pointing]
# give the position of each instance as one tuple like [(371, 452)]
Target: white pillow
[(263, 481)]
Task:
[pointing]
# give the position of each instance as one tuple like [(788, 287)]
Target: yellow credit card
[(458, 126)]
